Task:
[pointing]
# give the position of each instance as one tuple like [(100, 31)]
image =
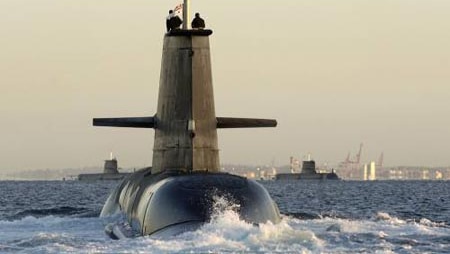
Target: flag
[(178, 10)]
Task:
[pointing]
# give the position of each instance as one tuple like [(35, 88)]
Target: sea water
[(318, 217)]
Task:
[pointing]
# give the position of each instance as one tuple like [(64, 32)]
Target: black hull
[(161, 202), (302, 176)]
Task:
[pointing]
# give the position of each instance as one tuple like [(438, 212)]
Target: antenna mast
[(186, 18)]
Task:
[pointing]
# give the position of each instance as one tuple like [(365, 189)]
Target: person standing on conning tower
[(197, 22), (168, 20), (173, 21)]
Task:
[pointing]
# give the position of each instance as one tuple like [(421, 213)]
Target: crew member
[(197, 22), (173, 21), (168, 20)]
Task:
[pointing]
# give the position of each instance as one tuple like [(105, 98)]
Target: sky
[(333, 73)]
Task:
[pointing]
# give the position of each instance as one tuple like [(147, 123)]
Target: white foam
[(226, 233), (429, 223), (388, 218)]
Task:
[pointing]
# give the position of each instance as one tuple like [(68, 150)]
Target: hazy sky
[(333, 73)]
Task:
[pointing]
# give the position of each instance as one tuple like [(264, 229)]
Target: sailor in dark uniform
[(173, 21), (197, 22), (168, 20)]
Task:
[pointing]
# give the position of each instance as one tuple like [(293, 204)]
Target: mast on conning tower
[(186, 16)]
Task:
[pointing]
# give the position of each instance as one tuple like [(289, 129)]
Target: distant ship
[(308, 173), (110, 172)]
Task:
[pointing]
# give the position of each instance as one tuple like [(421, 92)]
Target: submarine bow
[(177, 193)]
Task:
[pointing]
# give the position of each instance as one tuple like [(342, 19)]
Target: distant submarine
[(177, 194), (110, 172), (308, 173)]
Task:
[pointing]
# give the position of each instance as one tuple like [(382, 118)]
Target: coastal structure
[(180, 191), (357, 169), (369, 171)]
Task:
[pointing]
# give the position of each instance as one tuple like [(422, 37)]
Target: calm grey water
[(319, 217)]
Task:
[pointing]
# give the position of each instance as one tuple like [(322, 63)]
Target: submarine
[(308, 172), (110, 172), (180, 191)]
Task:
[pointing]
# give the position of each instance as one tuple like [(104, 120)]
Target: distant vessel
[(308, 173), (110, 172)]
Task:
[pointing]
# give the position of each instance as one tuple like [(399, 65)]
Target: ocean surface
[(318, 217)]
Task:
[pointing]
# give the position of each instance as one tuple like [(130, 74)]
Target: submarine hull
[(303, 176), (172, 202)]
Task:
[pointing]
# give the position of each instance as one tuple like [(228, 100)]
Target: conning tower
[(185, 123), (111, 166)]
